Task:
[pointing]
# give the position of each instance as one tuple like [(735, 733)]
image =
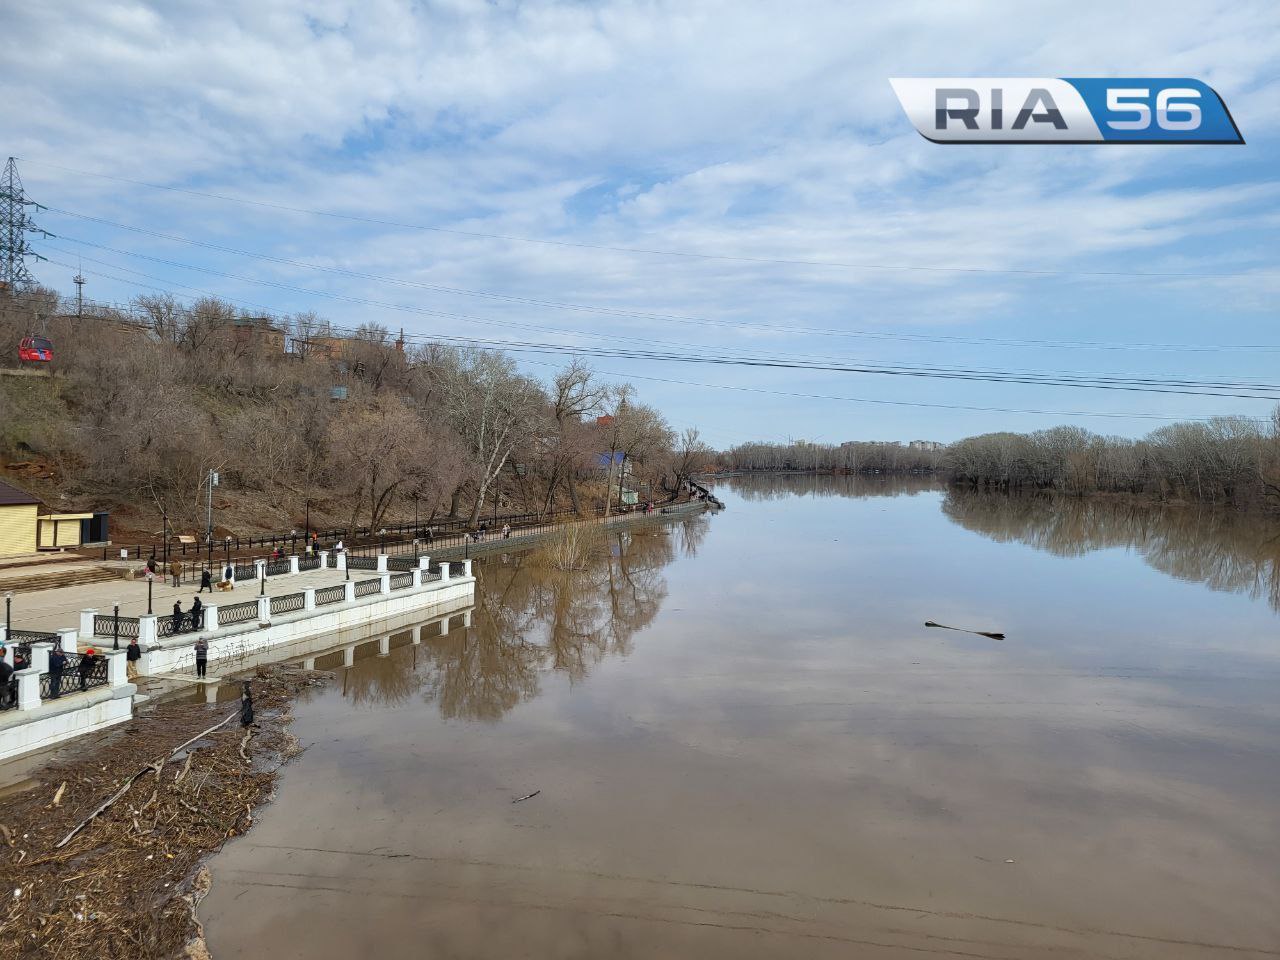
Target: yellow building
[(62, 529), (18, 521)]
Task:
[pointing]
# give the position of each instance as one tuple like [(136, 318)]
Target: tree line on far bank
[(356, 430), (1231, 460)]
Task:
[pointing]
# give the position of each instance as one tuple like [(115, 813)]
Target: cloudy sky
[(700, 178)]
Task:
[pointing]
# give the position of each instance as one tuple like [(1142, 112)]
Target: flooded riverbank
[(740, 740)]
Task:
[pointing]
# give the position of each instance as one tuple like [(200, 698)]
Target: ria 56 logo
[(1049, 110)]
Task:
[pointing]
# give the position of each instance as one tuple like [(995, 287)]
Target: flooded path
[(743, 742)]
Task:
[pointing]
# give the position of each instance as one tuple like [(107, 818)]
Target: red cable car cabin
[(35, 350)]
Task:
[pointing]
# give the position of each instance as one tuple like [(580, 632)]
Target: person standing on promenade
[(175, 571), (506, 531), (206, 581), (197, 613), (202, 657), (57, 663), (132, 654), (6, 679), (87, 660), (178, 616)]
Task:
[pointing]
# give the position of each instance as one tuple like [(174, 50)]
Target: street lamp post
[(151, 579), (165, 518), (8, 617), (262, 591), (115, 625), (306, 534)]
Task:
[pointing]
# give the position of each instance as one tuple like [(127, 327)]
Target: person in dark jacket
[(132, 654), (206, 581), (197, 613), (228, 573), (57, 663), (87, 661), (6, 681), (202, 657), (178, 616)]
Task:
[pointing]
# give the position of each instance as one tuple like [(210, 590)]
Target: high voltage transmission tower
[(15, 224)]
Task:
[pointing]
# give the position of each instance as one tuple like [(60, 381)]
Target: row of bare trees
[(1227, 459), (852, 457), (142, 402)]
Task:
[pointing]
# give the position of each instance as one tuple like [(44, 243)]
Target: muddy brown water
[(744, 743)]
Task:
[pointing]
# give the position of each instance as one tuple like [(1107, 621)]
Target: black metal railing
[(365, 588), (276, 568), (80, 673), (287, 603), (457, 568), (104, 626), (246, 571), (401, 580), (401, 563), (171, 624), (362, 563), (327, 595), (332, 561), (238, 612), (308, 563), (430, 575), (31, 636)]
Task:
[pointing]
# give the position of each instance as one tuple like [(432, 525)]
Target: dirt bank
[(127, 883)]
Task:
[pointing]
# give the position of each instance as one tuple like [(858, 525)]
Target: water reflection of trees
[(530, 617), (777, 486), (1228, 550)]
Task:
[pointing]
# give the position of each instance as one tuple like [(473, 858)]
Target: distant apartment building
[(931, 446)]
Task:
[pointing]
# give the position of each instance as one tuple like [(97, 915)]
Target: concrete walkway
[(50, 610)]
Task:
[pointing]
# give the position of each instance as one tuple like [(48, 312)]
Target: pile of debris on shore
[(102, 856)]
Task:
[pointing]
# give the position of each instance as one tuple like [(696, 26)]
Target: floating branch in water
[(980, 633)]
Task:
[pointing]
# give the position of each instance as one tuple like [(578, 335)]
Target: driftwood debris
[(154, 767), (980, 633), (527, 796)]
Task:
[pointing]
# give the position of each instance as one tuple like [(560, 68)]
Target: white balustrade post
[(384, 583), (382, 563), (417, 633), (466, 618), (264, 609), (67, 639), (40, 656), (444, 571), (417, 579), (258, 572), (86, 622), (28, 688), (349, 656), (384, 646), (117, 672), (148, 632), (309, 599), (466, 568), (424, 563), (324, 559), (342, 560), (210, 619), (351, 591), (293, 564)]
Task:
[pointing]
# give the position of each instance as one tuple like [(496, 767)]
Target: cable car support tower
[(15, 224)]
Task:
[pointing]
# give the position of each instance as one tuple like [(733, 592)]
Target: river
[(744, 742)]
